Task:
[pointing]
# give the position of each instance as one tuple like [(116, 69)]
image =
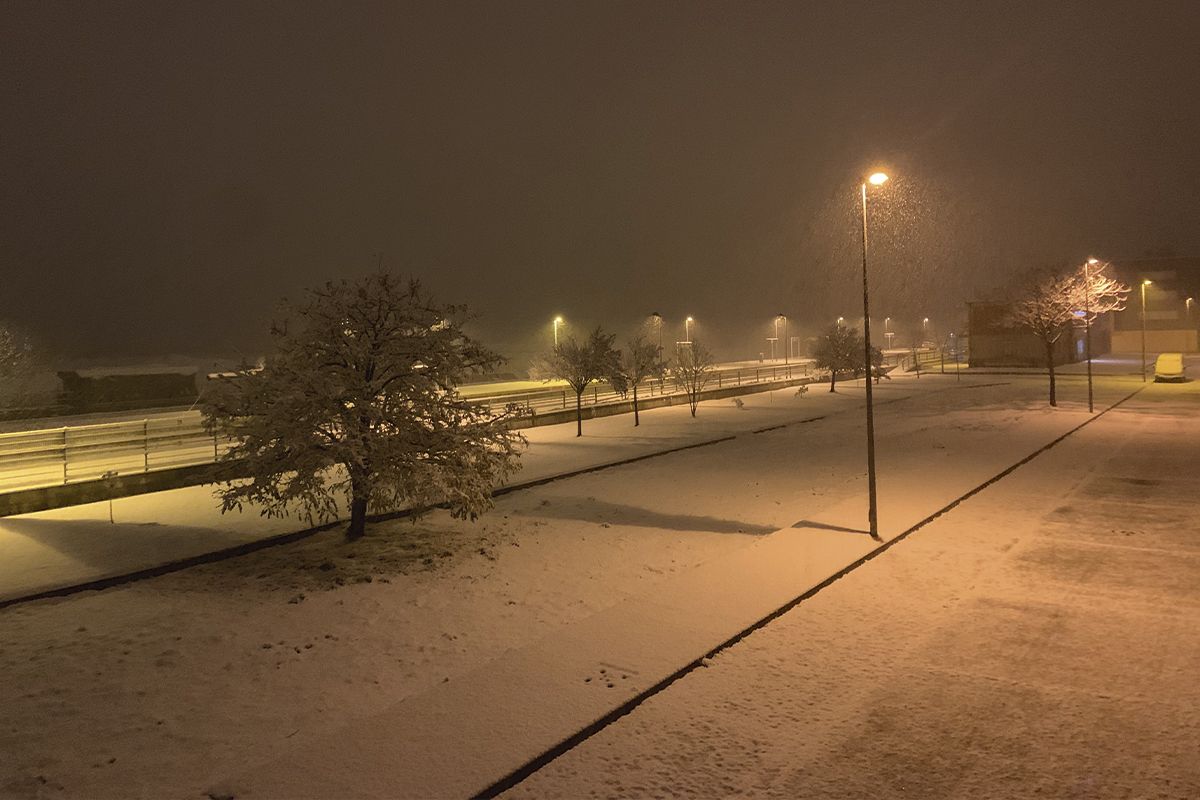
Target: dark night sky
[(171, 169)]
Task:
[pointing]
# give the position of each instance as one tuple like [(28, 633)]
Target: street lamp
[(1087, 323), (656, 321), (557, 321), (876, 179), (1146, 282), (840, 321), (786, 341), (687, 330)]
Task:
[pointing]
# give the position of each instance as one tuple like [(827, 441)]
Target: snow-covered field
[(1041, 640), (178, 685)]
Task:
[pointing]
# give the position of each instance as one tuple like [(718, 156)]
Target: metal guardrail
[(35, 459), (60, 456)]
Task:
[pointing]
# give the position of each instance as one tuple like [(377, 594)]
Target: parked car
[(1169, 367)]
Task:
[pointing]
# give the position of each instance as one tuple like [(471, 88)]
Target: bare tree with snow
[(840, 349), (692, 370), (360, 400), (1051, 300), (579, 364), (639, 361)]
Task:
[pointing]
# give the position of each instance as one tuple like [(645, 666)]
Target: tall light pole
[(657, 321), (840, 321), (1087, 323), (687, 330), (1146, 282), (786, 341), (557, 321), (876, 179)]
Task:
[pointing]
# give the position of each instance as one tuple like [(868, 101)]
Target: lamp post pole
[(873, 508), (786, 341), (557, 322), (1087, 324), (1145, 283), (657, 321), (687, 330)]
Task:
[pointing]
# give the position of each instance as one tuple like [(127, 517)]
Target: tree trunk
[(832, 379), (636, 421), (1050, 366), (579, 413), (358, 510)]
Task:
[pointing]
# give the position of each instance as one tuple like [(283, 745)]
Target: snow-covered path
[(1041, 639), (225, 677)]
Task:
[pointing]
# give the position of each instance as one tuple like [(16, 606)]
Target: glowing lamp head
[(558, 320), (1147, 282), (689, 319), (1093, 261), (877, 178)]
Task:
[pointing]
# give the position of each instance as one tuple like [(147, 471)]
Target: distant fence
[(32, 459), (118, 450)]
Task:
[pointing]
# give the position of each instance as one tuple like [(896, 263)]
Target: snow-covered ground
[(217, 679), (1039, 640), (74, 545)]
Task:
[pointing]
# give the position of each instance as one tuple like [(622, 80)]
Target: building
[(1172, 318), (995, 342)]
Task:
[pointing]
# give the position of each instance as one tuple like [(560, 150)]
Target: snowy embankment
[(175, 686), (74, 545)]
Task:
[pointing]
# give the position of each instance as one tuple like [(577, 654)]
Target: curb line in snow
[(530, 767)]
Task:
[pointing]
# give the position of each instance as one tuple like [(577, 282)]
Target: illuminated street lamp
[(687, 330), (786, 343), (557, 321), (1145, 283), (840, 321), (1191, 301), (876, 179), (1087, 322)]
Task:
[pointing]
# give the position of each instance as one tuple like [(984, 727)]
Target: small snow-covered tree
[(579, 364), (839, 349), (360, 400), (19, 361), (1051, 300), (640, 360), (692, 370)]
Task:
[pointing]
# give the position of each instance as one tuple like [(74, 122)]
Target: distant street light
[(1145, 283), (786, 341), (687, 330), (657, 321), (1191, 301), (557, 321), (876, 179), (840, 321)]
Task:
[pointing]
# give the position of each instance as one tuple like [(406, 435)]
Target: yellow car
[(1169, 367)]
